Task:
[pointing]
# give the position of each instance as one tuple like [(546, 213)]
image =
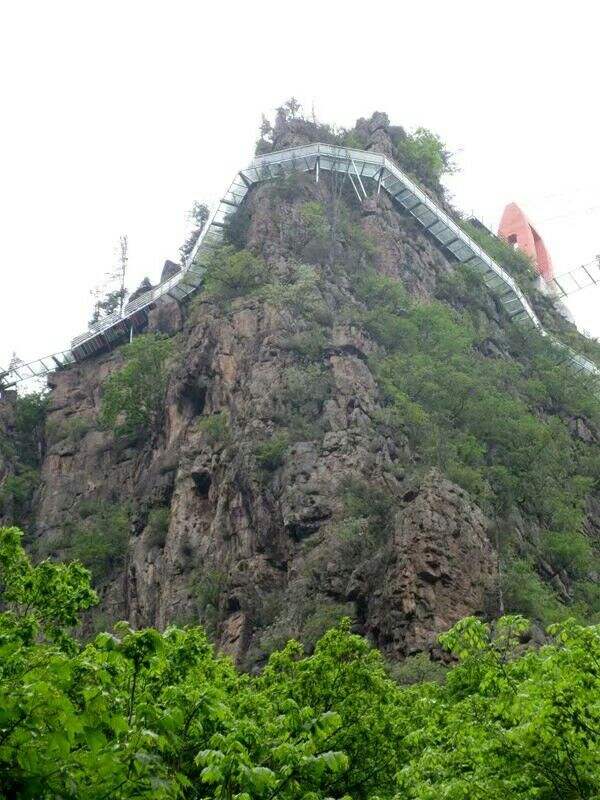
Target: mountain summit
[(341, 420)]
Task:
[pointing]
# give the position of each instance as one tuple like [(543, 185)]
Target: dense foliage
[(230, 273), (424, 155), (133, 396), (160, 715), (474, 416), (97, 534), (479, 420), (22, 449)]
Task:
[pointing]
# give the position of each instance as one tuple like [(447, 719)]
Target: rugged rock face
[(258, 553), (423, 584), (248, 544), (6, 428)]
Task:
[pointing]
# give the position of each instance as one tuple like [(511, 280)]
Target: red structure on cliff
[(518, 231)]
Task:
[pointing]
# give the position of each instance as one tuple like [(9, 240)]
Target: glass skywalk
[(374, 169)]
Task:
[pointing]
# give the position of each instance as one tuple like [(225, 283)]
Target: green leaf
[(336, 761), (95, 739), (211, 774)]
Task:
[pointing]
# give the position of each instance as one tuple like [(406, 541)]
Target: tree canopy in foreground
[(161, 715)]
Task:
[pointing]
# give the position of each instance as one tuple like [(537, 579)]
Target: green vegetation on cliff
[(499, 427), (160, 715), (23, 451), (133, 398), (98, 535), (460, 387), (475, 417), (474, 396)]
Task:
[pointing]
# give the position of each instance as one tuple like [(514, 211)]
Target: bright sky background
[(117, 115)]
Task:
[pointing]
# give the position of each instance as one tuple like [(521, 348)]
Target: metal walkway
[(583, 277), (361, 167)]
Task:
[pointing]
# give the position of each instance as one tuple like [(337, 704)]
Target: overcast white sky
[(117, 115)]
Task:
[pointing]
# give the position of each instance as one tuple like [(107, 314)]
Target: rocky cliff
[(7, 456), (340, 516)]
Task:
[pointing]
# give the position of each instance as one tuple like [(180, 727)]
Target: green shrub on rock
[(72, 429), (158, 526), (230, 273), (571, 551), (418, 668), (216, 428), (270, 454), (133, 397), (98, 536), (16, 493), (524, 592), (425, 156), (30, 415)]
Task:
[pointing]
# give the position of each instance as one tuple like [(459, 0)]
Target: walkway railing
[(583, 277), (360, 167)]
